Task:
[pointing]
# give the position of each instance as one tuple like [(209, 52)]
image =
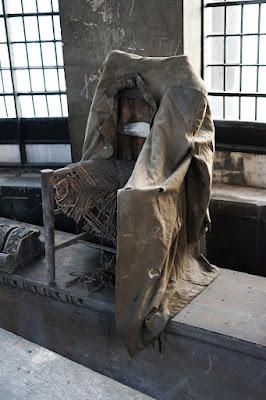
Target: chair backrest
[(134, 118)]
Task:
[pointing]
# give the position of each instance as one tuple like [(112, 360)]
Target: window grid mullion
[(56, 59), (27, 55), (44, 81), (258, 60)]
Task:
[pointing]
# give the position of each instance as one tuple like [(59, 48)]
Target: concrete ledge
[(31, 372)]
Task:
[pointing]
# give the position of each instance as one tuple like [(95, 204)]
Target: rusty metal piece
[(47, 176)]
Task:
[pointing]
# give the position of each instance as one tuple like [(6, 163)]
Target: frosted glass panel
[(10, 105), (263, 18), (4, 60), (34, 54), (216, 104), (51, 80), (9, 153), (250, 44), (29, 6), (231, 108), (217, 18), (261, 109), (37, 81), (31, 28), (26, 106), (262, 80), (247, 108), (57, 28), (8, 88), (48, 153), (59, 51), (46, 28), (249, 79), (23, 81), (215, 50), (19, 55), (62, 80), (48, 54), (2, 30), (232, 79), (54, 106), (250, 18), (44, 6), (216, 78), (64, 105), (15, 28), (3, 113), (233, 19), (55, 5), (232, 50), (13, 6), (263, 49), (40, 106)]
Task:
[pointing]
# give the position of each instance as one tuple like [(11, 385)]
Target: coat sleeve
[(199, 175)]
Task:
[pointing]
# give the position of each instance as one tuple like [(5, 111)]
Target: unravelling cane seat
[(87, 190)]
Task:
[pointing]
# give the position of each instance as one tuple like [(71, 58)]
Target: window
[(235, 69), (33, 103)]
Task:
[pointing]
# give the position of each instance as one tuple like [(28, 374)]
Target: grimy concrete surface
[(31, 372), (91, 29)]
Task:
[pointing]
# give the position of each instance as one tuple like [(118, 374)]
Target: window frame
[(38, 130), (235, 135)]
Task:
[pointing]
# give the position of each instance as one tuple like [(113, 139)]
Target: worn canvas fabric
[(162, 211)]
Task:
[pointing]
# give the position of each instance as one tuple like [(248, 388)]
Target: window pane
[(263, 18), (263, 49), (55, 5), (247, 108), (231, 108), (37, 82), (261, 109), (26, 106), (62, 80), (232, 79), (2, 30), (31, 28), (29, 6), (54, 106), (23, 81), (64, 105), (8, 87), (250, 18), (13, 6), (10, 104), (40, 106), (51, 80), (1, 8), (217, 18), (233, 50), (216, 103), (48, 54), (34, 54), (249, 50), (48, 153), (249, 79), (2, 108), (9, 153), (44, 6), (59, 51), (19, 55), (216, 78), (233, 19), (15, 28), (57, 29), (215, 50), (46, 28), (4, 59), (262, 80)]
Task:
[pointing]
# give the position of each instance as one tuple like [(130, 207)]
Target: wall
[(92, 28)]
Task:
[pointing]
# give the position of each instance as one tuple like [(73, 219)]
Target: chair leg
[(47, 178)]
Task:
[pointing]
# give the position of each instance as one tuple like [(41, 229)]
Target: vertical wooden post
[(47, 176)]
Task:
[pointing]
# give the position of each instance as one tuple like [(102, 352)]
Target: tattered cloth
[(162, 211)]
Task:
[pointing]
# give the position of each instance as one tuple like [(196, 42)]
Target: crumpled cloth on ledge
[(162, 211)]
